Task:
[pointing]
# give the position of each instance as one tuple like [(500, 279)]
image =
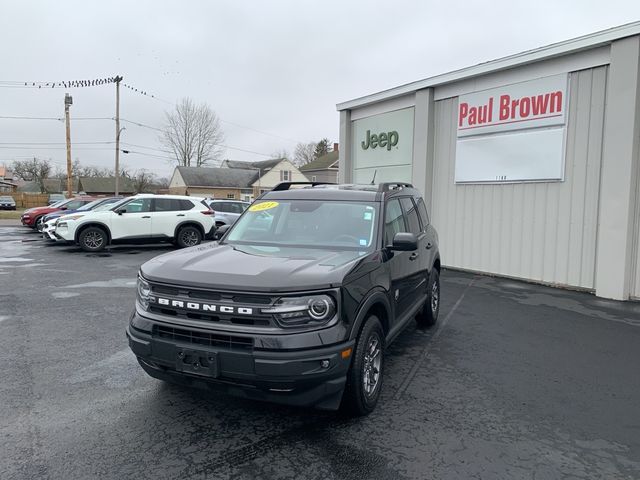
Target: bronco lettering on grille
[(204, 307)]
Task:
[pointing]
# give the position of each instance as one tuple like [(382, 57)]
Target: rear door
[(167, 214), (134, 222)]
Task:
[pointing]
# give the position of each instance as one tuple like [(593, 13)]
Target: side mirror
[(405, 242), (221, 231), (63, 208), (120, 211)]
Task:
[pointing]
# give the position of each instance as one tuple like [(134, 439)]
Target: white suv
[(140, 219)]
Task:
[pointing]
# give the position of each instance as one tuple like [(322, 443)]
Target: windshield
[(97, 205), (334, 225), (110, 206), (6, 199)]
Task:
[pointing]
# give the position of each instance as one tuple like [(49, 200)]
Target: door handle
[(413, 256), (429, 245), (180, 215), (146, 216)]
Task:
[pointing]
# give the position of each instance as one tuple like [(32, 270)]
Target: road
[(517, 381)]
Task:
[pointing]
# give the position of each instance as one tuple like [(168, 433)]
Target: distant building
[(104, 185), (324, 168), (271, 173), (7, 183), (213, 182)]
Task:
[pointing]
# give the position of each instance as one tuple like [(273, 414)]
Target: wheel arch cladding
[(376, 304)]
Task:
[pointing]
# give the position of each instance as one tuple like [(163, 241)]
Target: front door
[(134, 222)]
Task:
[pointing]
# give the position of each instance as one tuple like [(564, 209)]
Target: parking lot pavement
[(517, 381)]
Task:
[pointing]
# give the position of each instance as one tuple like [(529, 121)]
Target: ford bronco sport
[(297, 301)]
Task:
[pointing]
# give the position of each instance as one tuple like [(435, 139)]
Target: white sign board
[(383, 144), (513, 133)]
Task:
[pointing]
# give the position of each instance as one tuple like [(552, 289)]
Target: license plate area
[(197, 362)]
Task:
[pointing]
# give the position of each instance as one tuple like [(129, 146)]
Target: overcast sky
[(273, 71)]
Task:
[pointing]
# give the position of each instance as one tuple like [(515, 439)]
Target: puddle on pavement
[(64, 294)]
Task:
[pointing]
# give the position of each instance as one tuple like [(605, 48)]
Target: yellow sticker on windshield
[(263, 206)]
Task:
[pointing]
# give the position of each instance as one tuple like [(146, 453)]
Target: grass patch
[(11, 214)]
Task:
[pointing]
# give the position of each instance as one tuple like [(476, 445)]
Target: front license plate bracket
[(197, 362)]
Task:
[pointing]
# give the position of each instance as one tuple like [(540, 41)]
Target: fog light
[(324, 363)]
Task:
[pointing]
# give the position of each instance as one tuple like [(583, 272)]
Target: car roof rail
[(386, 186), (287, 185)]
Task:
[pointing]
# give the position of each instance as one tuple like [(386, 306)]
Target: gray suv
[(227, 211)]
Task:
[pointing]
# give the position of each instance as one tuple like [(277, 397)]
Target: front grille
[(234, 300), (231, 342)]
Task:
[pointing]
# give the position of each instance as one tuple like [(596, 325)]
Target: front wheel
[(93, 239), (428, 316), (364, 380), (188, 237)]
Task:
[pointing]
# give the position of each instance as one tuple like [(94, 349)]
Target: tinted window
[(73, 204), (165, 205), (236, 208), (411, 215), (138, 205), (422, 210), (187, 205), (393, 221)]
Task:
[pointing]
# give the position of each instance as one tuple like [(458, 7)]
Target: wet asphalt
[(517, 381)]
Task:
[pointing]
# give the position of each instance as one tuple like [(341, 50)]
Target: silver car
[(227, 211), (7, 203)]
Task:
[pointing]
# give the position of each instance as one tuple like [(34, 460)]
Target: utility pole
[(118, 79), (68, 101)]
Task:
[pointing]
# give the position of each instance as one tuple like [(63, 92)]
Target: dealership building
[(529, 164)]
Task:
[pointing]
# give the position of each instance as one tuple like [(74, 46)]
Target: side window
[(138, 205), (186, 205), (165, 205), (236, 208), (393, 221), (411, 215), (422, 210), (285, 175), (215, 206)]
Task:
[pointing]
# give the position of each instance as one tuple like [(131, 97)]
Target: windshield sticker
[(368, 215), (263, 206), (363, 242)]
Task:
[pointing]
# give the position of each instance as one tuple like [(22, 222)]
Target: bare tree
[(281, 153), (193, 134), (35, 170), (142, 180), (304, 153)]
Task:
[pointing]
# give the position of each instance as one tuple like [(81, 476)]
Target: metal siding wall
[(538, 231)]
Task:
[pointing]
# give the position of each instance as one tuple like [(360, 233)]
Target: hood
[(59, 213), (42, 210), (264, 269)]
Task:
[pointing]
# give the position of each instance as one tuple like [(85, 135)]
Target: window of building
[(285, 175), (313, 178), (231, 195), (411, 214)]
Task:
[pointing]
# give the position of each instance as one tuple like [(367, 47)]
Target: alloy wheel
[(371, 365), (93, 240)]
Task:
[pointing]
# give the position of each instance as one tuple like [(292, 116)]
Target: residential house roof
[(217, 177), (91, 185), (262, 165), (51, 185), (324, 162)]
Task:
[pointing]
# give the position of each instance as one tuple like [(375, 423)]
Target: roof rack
[(287, 185), (386, 186)]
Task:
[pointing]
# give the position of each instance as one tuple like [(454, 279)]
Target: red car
[(32, 216)]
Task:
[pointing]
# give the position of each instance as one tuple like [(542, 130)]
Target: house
[(324, 168), (6, 180), (218, 183), (104, 185), (51, 185), (270, 173)]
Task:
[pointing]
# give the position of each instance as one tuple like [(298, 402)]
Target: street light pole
[(68, 101), (118, 79)]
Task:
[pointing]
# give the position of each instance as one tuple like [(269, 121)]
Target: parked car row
[(93, 224)]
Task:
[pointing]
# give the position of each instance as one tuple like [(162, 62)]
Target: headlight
[(298, 311), (62, 225), (144, 289)]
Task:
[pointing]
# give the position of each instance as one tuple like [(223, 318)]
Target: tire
[(428, 316), (188, 237), (36, 221), (357, 400), (93, 239)]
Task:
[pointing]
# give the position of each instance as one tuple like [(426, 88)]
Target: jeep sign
[(381, 140)]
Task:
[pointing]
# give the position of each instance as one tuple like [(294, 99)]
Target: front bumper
[(295, 377), (7, 207)]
